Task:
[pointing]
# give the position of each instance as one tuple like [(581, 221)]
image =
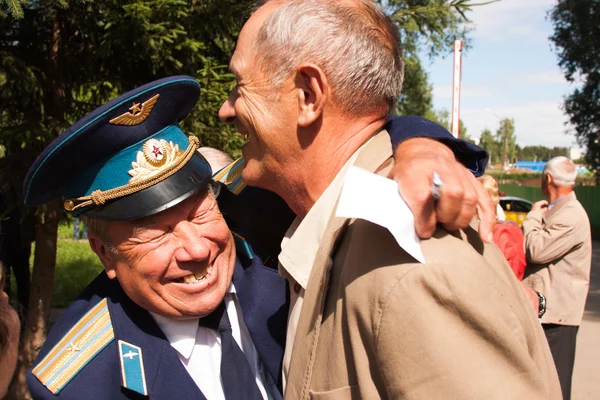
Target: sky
[(511, 70)]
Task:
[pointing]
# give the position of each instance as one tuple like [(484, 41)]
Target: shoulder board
[(231, 176), (92, 333)]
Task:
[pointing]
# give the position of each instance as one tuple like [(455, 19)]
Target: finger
[(452, 192), (486, 209), (415, 188), (468, 208)]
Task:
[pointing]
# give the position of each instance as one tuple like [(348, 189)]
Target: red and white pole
[(458, 46)]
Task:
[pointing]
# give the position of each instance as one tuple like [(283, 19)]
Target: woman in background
[(507, 234)]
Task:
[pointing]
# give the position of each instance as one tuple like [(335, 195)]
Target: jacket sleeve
[(544, 244), (406, 127), (459, 339)]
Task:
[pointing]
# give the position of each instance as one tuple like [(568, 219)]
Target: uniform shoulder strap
[(92, 333)]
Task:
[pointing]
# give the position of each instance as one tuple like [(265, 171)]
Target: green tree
[(507, 140), (429, 24), (60, 59), (576, 39), (442, 117), (491, 145)]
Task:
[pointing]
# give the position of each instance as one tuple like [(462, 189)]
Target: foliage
[(576, 39), (442, 117), (60, 59), (541, 153), (417, 93), (505, 136), (429, 24)]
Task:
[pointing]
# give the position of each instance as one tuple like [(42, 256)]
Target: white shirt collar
[(300, 245), (181, 334)]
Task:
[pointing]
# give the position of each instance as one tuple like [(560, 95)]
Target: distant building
[(538, 166)]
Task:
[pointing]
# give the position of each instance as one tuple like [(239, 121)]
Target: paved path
[(586, 376)]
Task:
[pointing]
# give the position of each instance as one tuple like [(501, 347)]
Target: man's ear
[(313, 92), (107, 257), (549, 179)]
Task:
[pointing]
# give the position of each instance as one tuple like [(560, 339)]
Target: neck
[(320, 161), (557, 192)]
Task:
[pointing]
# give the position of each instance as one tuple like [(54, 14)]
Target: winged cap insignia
[(137, 114)]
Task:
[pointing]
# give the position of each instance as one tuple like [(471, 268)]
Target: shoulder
[(454, 262), (80, 334)]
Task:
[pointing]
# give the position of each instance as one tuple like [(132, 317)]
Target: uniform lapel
[(262, 295), (143, 347), (371, 157)]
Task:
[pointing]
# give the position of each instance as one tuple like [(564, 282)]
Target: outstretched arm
[(423, 147)]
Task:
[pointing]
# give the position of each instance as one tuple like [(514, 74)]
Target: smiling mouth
[(195, 278)]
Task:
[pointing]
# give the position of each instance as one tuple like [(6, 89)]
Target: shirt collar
[(300, 244), (181, 334)]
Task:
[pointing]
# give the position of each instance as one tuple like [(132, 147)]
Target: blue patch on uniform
[(132, 368)]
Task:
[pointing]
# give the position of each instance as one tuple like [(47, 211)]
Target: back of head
[(353, 42), (562, 170), (491, 185), (217, 159)]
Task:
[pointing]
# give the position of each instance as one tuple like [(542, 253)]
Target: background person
[(507, 234), (559, 254)]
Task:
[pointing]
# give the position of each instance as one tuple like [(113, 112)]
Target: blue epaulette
[(92, 333), (231, 176)]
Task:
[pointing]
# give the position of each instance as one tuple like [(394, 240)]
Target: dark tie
[(239, 383)]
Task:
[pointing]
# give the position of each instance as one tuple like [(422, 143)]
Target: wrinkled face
[(178, 263), (264, 115)]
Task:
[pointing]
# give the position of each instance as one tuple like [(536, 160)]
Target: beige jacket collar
[(371, 157)]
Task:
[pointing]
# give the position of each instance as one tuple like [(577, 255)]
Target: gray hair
[(98, 227), (563, 171), (354, 42), (216, 158)]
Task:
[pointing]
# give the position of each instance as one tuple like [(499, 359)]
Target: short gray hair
[(563, 171), (354, 42)]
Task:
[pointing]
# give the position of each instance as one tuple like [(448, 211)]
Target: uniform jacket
[(261, 293), (377, 324), (559, 255)]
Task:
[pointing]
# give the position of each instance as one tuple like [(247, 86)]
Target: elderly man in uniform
[(165, 318), (373, 313), (558, 246)]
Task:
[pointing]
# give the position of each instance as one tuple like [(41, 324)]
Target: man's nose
[(227, 111), (192, 245)]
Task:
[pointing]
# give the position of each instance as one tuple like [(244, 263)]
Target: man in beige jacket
[(559, 255), (316, 82)]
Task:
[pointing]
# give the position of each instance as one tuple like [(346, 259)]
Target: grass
[(76, 267)]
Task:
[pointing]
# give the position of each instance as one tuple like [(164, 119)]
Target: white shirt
[(299, 250), (199, 348)]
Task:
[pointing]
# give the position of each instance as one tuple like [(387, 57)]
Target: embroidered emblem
[(231, 176), (132, 368), (92, 333), (156, 155), (73, 348), (137, 114)]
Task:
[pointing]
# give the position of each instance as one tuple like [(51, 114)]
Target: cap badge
[(137, 114), (156, 155)]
